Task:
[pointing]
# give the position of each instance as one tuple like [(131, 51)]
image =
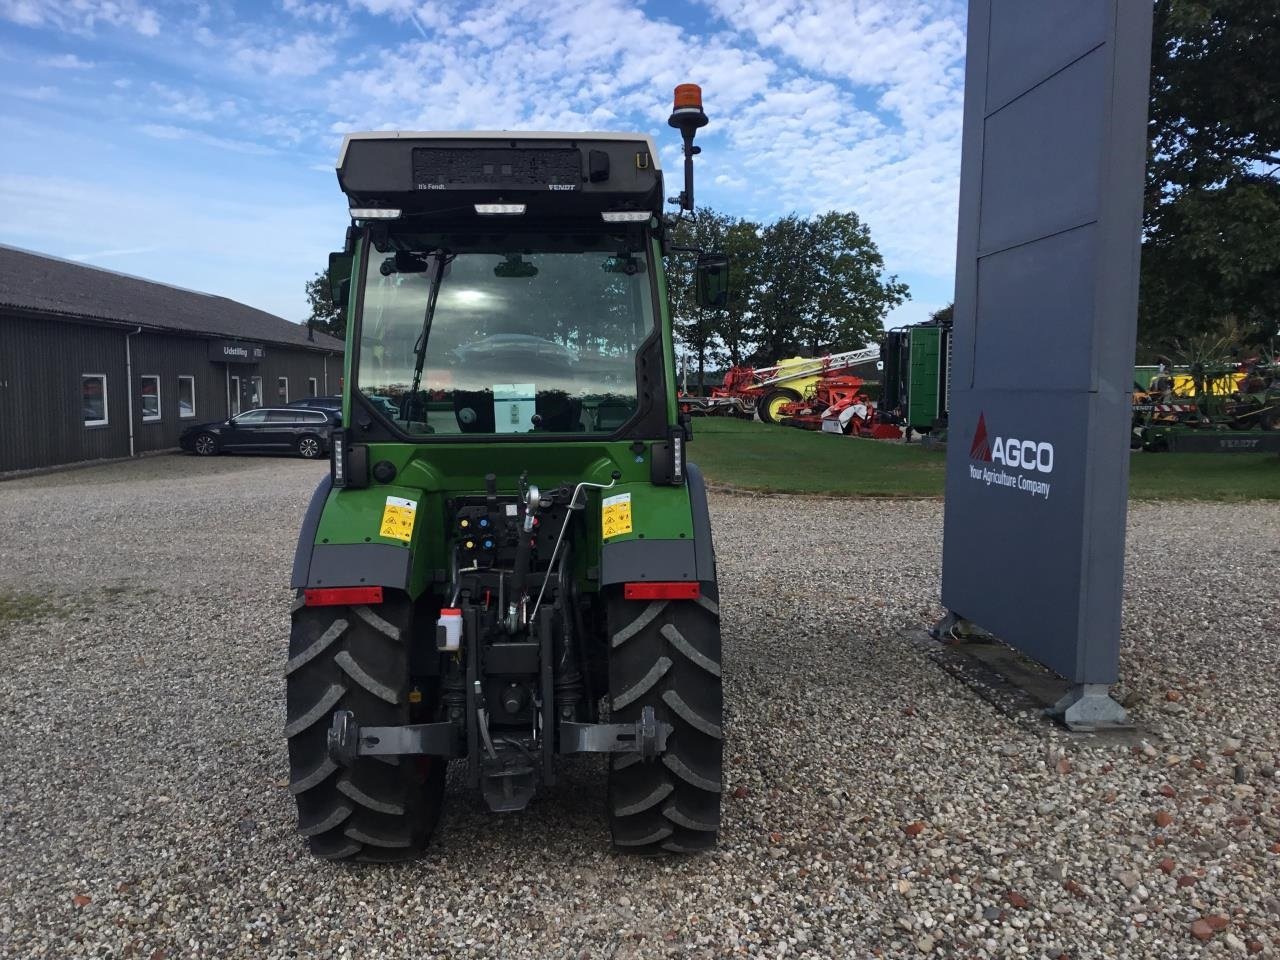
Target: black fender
[(344, 564), (307, 535), (703, 548)]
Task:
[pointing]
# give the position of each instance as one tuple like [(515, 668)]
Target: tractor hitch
[(646, 737), (349, 740)]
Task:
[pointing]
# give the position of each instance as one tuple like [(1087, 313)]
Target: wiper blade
[(440, 259)]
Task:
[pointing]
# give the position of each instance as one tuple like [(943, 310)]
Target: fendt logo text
[(1011, 452)]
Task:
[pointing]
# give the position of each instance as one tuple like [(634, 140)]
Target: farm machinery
[(1180, 407), (766, 391), (510, 559)]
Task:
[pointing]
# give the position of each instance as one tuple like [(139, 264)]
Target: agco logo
[(1010, 451)]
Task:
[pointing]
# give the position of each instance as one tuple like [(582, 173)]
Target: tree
[(943, 315), (735, 326), (325, 317), (822, 286), (1211, 250)]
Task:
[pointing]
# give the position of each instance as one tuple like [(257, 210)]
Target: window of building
[(150, 398), (282, 389), (234, 400), (186, 397), (93, 399), (311, 386), (255, 397)]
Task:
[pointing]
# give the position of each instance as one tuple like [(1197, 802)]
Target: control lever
[(520, 569)]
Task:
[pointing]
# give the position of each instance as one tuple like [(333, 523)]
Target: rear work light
[(625, 216), (341, 596), (374, 213), (499, 209), (663, 590)]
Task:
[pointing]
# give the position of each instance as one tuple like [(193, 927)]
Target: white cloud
[(66, 61), (304, 56), (191, 105), (316, 12), (162, 131), (814, 104), (40, 93), (82, 16)]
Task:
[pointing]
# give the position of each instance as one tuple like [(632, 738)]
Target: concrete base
[(1088, 706)]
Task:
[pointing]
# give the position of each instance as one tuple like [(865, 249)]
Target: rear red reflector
[(663, 590), (341, 596)]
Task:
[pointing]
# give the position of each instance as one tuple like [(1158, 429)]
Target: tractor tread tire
[(354, 658), (762, 408), (666, 655)]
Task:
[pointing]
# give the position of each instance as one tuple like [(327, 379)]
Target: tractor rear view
[(511, 559)]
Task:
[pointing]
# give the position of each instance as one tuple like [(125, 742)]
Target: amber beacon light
[(687, 117)]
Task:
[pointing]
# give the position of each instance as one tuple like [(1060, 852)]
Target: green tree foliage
[(325, 317), (1211, 253), (798, 285)]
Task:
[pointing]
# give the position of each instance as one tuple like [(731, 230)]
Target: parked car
[(332, 404), (269, 429), (385, 405)]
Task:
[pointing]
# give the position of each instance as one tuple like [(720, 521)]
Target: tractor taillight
[(663, 590), (341, 596)]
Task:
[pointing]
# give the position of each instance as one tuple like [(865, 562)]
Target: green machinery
[(510, 559), (917, 376)]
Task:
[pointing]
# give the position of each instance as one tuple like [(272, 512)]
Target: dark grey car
[(265, 430)]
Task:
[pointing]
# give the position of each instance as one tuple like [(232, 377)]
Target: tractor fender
[(631, 560), (704, 552), (307, 535), (344, 564)]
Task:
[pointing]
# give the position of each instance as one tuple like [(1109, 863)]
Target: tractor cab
[(506, 285)]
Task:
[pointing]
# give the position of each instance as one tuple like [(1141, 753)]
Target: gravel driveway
[(874, 805)]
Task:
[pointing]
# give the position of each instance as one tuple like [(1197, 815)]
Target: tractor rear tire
[(665, 654), (769, 403), (356, 658)]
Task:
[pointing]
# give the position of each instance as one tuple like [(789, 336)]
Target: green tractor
[(510, 558)]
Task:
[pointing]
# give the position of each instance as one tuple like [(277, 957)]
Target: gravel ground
[(874, 805)]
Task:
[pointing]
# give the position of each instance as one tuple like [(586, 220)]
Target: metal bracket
[(349, 740), (1089, 706), (647, 737)]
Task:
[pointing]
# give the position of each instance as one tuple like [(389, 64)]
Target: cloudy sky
[(194, 143)]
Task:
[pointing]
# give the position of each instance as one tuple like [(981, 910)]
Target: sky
[(194, 143)]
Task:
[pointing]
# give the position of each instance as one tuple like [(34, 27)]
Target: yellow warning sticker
[(615, 515), (397, 519)]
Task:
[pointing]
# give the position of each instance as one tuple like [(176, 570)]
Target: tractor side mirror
[(339, 278), (711, 281)]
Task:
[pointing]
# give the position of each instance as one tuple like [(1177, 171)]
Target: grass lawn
[(762, 456)]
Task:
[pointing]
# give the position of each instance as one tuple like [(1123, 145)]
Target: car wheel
[(206, 444), (309, 447)]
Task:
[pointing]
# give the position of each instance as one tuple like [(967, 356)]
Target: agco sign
[(1030, 455)]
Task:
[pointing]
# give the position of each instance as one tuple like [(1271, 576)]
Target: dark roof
[(70, 290)]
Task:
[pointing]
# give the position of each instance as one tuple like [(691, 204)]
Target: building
[(96, 364)]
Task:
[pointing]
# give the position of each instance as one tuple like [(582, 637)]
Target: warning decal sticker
[(397, 519), (615, 515)]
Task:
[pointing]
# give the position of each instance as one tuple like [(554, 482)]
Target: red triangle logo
[(981, 447)]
